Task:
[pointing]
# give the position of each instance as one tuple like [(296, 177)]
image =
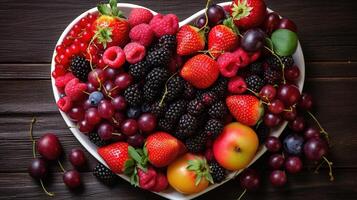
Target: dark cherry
[(85, 126), (200, 22), (49, 146), (278, 178), (315, 149), (293, 164), (110, 73), (105, 131), (91, 88), (77, 158), (136, 140), (273, 144), (129, 127), (105, 109), (123, 80), (287, 24), (117, 119), (289, 94), (305, 101), (290, 114), (311, 132), (76, 113), (92, 116), (110, 89), (119, 103), (298, 124), (249, 179), (38, 168), (276, 161), (272, 120), (271, 22), (72, 179), (147, 122), (215, 14), (292, 73)]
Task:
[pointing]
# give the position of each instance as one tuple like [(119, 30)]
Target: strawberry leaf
[(209, 177), (134, 154), (229, 23), (113, 7), (104, 9), (198, 179)]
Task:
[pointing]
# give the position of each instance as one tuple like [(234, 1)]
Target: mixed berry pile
[(183, 106)]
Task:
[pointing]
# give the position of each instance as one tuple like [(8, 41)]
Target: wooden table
[(30, 29)]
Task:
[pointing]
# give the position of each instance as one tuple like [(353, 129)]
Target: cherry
[(289, 114), (315, 149), (123, 80), (272, 120), (92, 116), (271, 22), (273, 144), (105, 131), (49, 146), (105, 109), (129, 127), (77, 158), (276, 161), (253, 40), (267, 93), (289, 94), (249, 179), (312, 132), (118, 136), (276, 106), (60, 49), (201, 22), (287, 24), (110, 89), (91, 88), (278, 178), (85, 126), (298, 124), (215, 14), (38, 168), (117, 119), (96, 77), (292, 73), (293, 164), (305, 101), (119, 103), (72, 179), (110, 73), (76, 113), (136, 140), (147, 122)]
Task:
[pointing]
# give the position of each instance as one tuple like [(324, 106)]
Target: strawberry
[(162, 148), (246, 109), (247, 14), (201, 71), (221, 38), (189, 40), (115, 155), (111, 29)]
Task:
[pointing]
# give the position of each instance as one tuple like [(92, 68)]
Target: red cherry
[(72, 179), (288, 24), (77, 158), (49, 146)]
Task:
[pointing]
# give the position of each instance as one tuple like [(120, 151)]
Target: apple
[(236, 146)]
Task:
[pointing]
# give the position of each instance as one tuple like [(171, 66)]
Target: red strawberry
[(221, 38), (247, 14), (161, 182), (147, 180), (111, 29), (189, 40), (246, 109), (162, 148), (115, 155), (201, 71)]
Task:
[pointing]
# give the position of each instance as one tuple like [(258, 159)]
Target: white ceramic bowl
[(91, 148)]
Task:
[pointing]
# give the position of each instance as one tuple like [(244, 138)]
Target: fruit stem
[(206, 15), (281, 62), (165, 92), (322, 130), (241, 195), (255, 93), (51, 194), (61, 166), (33, 121), (332, 178)]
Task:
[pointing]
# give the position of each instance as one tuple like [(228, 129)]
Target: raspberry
[(61, 81), (164, 24), (237, 85), (242, 57), (75, 90), (139, 16), (134, 52), (142, 34), (64, 104), (228, 65), (114, 57)]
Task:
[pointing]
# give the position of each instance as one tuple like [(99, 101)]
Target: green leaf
[(134, 154), (193, 165), (284, 42), (229, 22), (104, 9), (134, 178), (129, 167), (269, 43), (209, 177), (198, 179), (145, 151), (114, 7)]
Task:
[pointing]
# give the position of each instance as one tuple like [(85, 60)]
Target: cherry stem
[(166, 91), (61, 166), (281, 62), (51, 194), (206, 15), (322, 130), (241, 195), (85, 92), (255, 93), (332, 178), (33, 121), (117, 134)]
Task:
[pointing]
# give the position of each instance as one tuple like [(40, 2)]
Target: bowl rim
[(92, 149)]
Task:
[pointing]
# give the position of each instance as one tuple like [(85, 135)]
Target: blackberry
[(218, 110), (186, 126), (218, 173), (153, 47), (197, 143), (159, 58), (133, 112), (168, 42), (157, 77), (189, 91), (287, 60), (272, 76), (263, 132), (195, 107), (220, 87), (104, 174), (208, 98), (254, 83), (256, 68), (274, 63), (95, 139), (164, 125), (175, 110), (145, 107), (139, 70), (158, 109), (150, 93), (133, 95), (174, 87), (213, 128), (80, 68)]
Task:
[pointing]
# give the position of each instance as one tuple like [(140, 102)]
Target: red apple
[(236, 146)]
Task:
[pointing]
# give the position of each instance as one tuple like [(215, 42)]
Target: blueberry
[(133, 112), (293, 144), (95, 97)]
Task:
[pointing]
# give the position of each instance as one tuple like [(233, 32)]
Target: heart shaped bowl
[(92, 149)]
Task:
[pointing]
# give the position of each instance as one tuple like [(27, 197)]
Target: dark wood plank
[(301, 186), (39, 24)]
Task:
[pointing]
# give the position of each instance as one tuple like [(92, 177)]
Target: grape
[(119, 103), (271, 22), (312, 132), (253, 40), (95, 97), (305, 101), (49, 146), (77, 158), (289, 115), (136, 140), (267, 93), (293, 144), (315, 149), (273, 144), (96, 77), (271, 120), (287, 24), (278, 178), (276, 106), (249, 179), (129, 127), (276, 161), (72, 179), (123, 80), (76, 113), (147, 122), (105, 109), (215, 14), (292, 73), (293, 164), (92, 116), (289, 94), (201, 21), (298, 124), (105, 131), (38, 168)]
